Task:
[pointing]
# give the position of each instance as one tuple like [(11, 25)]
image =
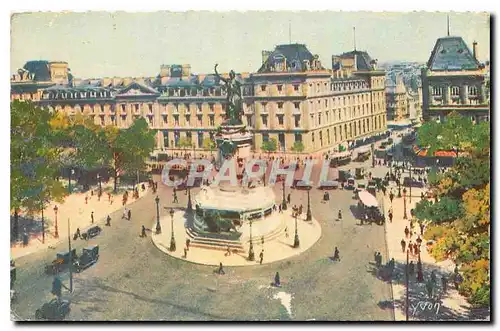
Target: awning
[(367, 199), (419, 151)]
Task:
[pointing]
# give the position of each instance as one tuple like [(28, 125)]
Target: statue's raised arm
[(219, 76)]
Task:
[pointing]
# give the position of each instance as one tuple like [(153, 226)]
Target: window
[(312, 120), (249, 120), (319, 119), (280, 88), (165, 139), (298, 137), (200, 120), (265, 137), (136, 107), (211, 120), (264, 120), (280, 119), (165, 119), (200, 139), (326, 103), (472, 90), (437, 91), (297, 121), (211, 106), (312, 137), (263, 88), (123, 108), (296, 88), (297, 105), (188, 119), (280, 105), (455, 91), (176, 120), (150, 106)]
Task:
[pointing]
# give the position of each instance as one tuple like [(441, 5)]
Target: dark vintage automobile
[(53, 310), (89, 256), (62, 261), (92, 232), (372, 187)]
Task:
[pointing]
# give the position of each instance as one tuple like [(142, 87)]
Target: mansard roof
[(137, 88), (295, 55), (452, 53), (40, 69), (363, 59)]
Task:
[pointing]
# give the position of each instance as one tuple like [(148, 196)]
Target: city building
[(292, 98), (455, 81)]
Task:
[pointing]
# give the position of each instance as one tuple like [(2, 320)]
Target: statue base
[(233, 141)]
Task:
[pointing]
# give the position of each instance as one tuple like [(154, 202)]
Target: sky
[(107, 44)]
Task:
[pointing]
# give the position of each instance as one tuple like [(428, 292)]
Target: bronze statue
[(234, 100)]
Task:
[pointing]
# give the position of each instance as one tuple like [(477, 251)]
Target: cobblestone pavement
[(133, 280)]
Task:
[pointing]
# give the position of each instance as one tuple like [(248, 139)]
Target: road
[(133, 280)]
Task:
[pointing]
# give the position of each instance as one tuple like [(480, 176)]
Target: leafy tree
[(445, 210), (298, 147), (270, 146), (34, 158)]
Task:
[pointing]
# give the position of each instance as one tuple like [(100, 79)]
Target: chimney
[(474, 50)]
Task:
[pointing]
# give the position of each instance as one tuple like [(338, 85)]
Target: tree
[(185, 142), (270, 146), (209, 144), (34, 159), (298, 147)]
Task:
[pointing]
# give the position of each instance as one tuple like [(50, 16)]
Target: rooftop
[(294, 54), (452, 53)]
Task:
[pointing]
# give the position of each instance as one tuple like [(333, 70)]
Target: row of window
[(77, 95), (437, 91)]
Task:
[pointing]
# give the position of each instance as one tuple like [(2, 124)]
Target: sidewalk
[(449, 306), (78, 212)]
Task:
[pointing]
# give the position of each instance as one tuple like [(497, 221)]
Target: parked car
[(62, 261), (92, 232), (53, 310), (89, 256), (351, 184), (372, 186)]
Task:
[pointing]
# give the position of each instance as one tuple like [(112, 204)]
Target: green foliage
[(270, 146), (209, 144), (34, 157), (446, 210), (298, 147), (185, 142), (434, 232)]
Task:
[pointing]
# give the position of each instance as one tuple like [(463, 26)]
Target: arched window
[(455, 91), (437, 91)]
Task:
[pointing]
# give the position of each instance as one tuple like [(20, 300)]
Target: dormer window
[(280, 88), (263, 88)]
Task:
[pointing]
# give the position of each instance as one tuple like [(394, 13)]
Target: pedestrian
[(379, 258), (77, 234), (279, 208), (86, 199), (108, 221), (286, 232), (390, 216), (433, 276), (300, 210), (403, 245), (129, 214), (430, 288), (391, 196), (143, 231), (336, 255), (91, 193), (185, 252), (261, 256), (407, 232), (410, 247), (444, 283), (175, 198), (277, 282), (422, 229), (228, 251), (221, 270), (109, 196), (419, 240), (340, 215), (92, 217), (420, 276), (288, 198), (188, 242), (416, 249), (411, 268)]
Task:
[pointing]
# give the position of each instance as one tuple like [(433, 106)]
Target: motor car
[(89, 256), (61, 262), (53, 310), (92, 232)]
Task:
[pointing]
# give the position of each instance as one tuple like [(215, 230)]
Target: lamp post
[(56, 234), (283, 204), (99, 181), (70, 259), (373, 155), (43, 226), (404, 204), (308, 214), (296, 241), (407, 305), (172, 239), (158, 225), (399, 184), (71, 172), (190, 204), (411, 179), (251, 255)]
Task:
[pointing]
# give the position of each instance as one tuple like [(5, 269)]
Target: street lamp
[(404, 204), (71, 172), (308, 214), (411, 178), (172, 239), (99, 181), (190, 204), (399, 184), (158, 225), (296, 242), (407, 283), (283, 204), (56, 234), (251, 255)]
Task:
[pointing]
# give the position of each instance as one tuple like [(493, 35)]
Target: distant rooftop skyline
[(107, 44)]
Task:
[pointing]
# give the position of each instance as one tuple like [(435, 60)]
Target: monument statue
[(234, 109)]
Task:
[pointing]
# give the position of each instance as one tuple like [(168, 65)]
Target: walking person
[(143, 231), (188, 242), (340, 215), (86, 199), (411, 268), (407, 232), (175, 197), (261, 256), (277, 281), (410, 247), (444, 283), (228, 251), (221, 270), (92, 217), (391, 196), (403, 245), (288, 198), (279, 208), (108, 221), (129, 214), (336, 254), (109, 196), (390, 215), (422, 226)]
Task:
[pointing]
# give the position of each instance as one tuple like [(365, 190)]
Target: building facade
[(291, 98), (455, 81)]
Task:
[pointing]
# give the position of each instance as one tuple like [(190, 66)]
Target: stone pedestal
[(233, 141)]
